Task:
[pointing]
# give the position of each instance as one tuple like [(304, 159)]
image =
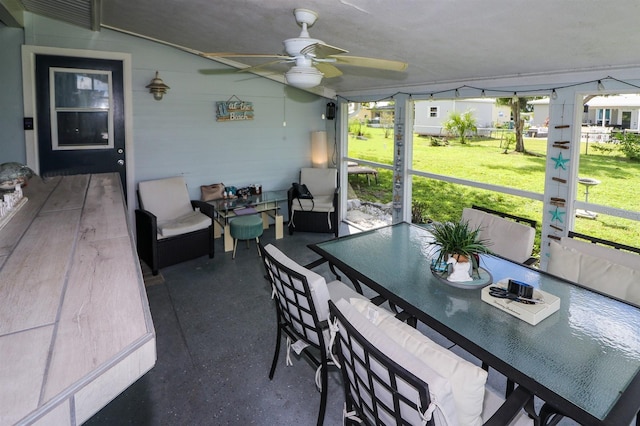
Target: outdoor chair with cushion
[(507, 234), (302, 307), (601, 267), (170, 228), (321, 213), (393, 374)]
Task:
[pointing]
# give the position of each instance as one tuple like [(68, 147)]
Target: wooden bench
[(355, 169)]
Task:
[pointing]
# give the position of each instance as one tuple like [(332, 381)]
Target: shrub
[(605, 148), (509, 139), (419, 212), (439, 141), (629, 144)]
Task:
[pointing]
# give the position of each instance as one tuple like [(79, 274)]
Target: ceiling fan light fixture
[(303, 77)]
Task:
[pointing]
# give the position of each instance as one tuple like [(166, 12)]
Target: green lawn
[(484, 161)]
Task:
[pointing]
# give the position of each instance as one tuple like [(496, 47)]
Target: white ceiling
[(444, 41)]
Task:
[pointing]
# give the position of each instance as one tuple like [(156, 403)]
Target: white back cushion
[(563, 262), (439, 387), (595, 272), (317, 283), (166, 198), (319, 181), (630, 260), (467, 380), (507, 238)]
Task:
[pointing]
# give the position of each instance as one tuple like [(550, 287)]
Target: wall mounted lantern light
[(157, 87)]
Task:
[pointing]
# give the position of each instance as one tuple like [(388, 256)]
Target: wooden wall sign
[(234, 110)]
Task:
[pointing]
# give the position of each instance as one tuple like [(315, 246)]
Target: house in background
[(431, 115), (601, 115), (618, 111), (373, 114)]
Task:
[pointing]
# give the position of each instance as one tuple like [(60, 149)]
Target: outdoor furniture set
[(369, 340)]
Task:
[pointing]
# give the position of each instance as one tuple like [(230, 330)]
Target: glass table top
[(266, 197), (588, 352)]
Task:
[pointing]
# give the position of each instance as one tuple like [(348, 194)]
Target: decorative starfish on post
[(556, 215), (560, 162)]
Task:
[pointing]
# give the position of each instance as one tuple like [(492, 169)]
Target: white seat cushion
[(167, 199), (321, 291), (189, 222), (597, 273), (339, 290), (320, 203), (439, 387), (467, 380), (507, 238)]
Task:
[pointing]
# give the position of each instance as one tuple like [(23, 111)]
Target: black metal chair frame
[(600, 241), (519, 219), (171, 250), (374, 385), (294, 304)]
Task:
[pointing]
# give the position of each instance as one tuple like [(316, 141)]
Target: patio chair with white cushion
[(302, 306), (170, 228), (508, 236), (601, 267), (321, 213), (393, 374)]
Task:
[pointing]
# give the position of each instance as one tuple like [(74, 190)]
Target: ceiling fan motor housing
[(293, 46)]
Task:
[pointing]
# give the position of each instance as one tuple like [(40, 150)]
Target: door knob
[(121, 162)]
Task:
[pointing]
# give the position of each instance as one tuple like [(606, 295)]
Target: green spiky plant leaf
[(460, 240)]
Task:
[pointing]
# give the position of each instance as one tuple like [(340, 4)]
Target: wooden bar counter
[(75, 326)]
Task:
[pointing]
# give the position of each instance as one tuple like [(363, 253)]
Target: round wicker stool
[(245, 228)]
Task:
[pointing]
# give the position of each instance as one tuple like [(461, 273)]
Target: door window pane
[(81, 116), (83, 128)]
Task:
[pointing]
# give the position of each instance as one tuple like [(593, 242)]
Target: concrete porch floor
[(215, 327)]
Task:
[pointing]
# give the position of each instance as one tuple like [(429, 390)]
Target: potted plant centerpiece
[(460, 247)]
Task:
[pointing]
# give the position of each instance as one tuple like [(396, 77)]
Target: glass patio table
[(583, 360), (267, 204)]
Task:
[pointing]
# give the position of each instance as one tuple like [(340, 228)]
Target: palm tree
[(460, 124)]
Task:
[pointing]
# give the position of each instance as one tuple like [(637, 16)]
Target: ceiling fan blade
[(243, 55), (211, 71), (328, 70), (259, 67), (382, 64), (321, 50)]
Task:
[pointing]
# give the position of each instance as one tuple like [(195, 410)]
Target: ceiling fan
[(312, 58)]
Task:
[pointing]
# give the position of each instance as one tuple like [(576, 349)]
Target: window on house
[(434, 112), (603, 116)]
